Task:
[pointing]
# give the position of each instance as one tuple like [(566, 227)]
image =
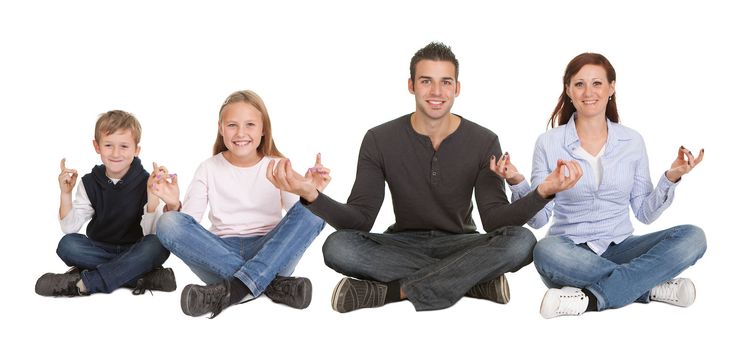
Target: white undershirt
[(595, 162)]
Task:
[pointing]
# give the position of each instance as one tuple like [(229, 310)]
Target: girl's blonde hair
[(267, 143)]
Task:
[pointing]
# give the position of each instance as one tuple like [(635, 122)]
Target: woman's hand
[(683, 164), (558, 181), (504, 169)]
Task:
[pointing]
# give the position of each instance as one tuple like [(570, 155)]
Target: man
[(432, 160)]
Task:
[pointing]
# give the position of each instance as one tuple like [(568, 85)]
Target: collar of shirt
[(615, 134)]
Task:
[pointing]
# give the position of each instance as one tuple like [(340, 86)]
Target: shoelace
[(68, 290), (665, 291), (372, 295), (486, 289), (215, 300), (140, 288), (572, 304)]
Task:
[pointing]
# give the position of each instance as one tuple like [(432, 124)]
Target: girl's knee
[(168, 226)]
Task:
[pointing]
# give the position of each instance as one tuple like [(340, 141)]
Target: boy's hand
[(67, 178)]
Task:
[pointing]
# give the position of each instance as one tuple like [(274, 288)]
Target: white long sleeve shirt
[(241, 200)]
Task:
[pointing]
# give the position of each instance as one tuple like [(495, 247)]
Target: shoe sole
[(546, 301), (505, 289), (307, 285), (307, 294), (336, 295), (185, 300)]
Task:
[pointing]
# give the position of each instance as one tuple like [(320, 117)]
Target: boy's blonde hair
[(267, 143), (112, 121)]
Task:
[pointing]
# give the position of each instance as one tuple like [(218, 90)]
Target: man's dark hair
[(435, 51)]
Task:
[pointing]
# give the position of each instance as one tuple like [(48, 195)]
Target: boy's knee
[(68, 246), (152, 247)]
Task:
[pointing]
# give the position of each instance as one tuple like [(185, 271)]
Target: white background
[(328, 71)]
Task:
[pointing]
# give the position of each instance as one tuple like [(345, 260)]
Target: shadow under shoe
[(295, 292), (160, 279), (351, 294), (198, 300), (496, 290), (58, 284)]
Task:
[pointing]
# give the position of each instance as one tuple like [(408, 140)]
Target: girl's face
[(241, 129), (589, 90)]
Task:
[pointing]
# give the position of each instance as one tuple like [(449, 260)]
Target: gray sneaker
[(351, 294), (295, 292), (58, 284), (160, 279), (496, 290), (198, 300)]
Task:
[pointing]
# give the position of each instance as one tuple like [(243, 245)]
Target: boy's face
[(117, 151), (435, 88)]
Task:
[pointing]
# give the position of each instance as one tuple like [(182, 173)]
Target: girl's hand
[(318, 174), (165, 186)]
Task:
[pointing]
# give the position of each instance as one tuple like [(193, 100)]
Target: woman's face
[(589, 91)]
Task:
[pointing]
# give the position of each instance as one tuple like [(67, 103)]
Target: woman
[(590, 258)]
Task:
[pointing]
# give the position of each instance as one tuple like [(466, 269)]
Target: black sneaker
[(198, 300), (160, 279), (58, 284), (74, 271), (351, 294), (295, 292), (495, 290)]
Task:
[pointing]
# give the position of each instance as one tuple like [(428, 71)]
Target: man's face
[(435, 88)]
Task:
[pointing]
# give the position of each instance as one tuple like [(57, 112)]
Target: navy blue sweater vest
[(118, 208)]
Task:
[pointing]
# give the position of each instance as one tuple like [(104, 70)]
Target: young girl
[(590, 258), (249, 249)]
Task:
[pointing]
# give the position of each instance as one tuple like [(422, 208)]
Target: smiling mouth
[(241, 143), (590, 102), (435, 103)]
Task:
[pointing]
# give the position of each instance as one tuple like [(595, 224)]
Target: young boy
[(120, 248)]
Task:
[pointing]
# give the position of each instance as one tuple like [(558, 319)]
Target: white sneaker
[(567, 301), (678, 292)]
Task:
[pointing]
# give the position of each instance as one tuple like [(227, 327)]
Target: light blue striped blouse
[(597, 215)]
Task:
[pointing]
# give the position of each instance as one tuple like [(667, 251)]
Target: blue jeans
[(435, 269), (108, 267), (254, 260), (627, 271)]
